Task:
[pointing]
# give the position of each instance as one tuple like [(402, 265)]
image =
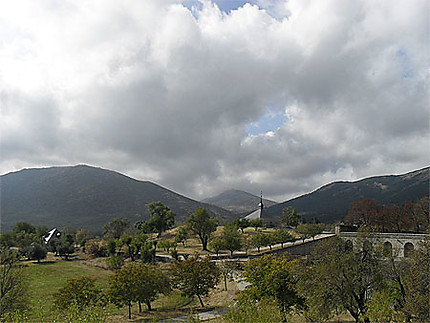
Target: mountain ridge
[(86, 196), (237, 201), (331, 202)]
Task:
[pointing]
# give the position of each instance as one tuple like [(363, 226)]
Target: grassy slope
[(46, 278)]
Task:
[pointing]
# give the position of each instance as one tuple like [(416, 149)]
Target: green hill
[(331, 202), (84, 196)]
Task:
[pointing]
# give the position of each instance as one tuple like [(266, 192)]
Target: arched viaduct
[(396, 244)]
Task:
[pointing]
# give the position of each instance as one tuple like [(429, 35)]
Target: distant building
[(257, 214), (52, 235)]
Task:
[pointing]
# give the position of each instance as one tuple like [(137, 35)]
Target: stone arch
[(388, 249), (408, 249)]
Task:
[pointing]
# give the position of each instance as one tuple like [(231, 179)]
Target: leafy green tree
[(242, 223), (273, 277), (217, 244), (290, 217), (182, 235), (195, 276), (65, 246), (307, 231), (162, 217), (166, 245), (115, 228), (201, 224), (256, 223), (258, 240), (115, 262), (417, 284), (82, 236), (246, 311), (231, 238), (138, 242), (81, 292), (227, 270), (7, 240), (122, 287), (24, 227), (96, 248), (339, 277), (150, 282), (13, 285), (127, 239), (147, 252), (137, 282), (282, 236), (37, 251)]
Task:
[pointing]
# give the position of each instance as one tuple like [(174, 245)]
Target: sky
[(203, 96)]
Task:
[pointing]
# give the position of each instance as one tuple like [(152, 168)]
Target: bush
[(263, 311), (95, 248), (115, 262), (79, 292)]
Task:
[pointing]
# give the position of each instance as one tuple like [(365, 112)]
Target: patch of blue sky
[(272, 120), (404, 60), (224, 5)]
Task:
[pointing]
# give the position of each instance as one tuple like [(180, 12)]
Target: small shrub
[(115, 262)]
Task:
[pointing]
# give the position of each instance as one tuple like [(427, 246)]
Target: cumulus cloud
[(168, 91)]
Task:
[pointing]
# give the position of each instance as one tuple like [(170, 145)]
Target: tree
[(282, 236), (273, 277), (363, 213), (122, 287), (258, 240), (289, 217), (231, 238), (96, 248), (417, 284), (24, 227), (37, 251), (162, 217), (150, 282), (127, 239), (80, 292), (217, 244), (227, 270), (138, 242), (182, 235), (201, 224), (82, 236), (242, 223), (195, 276), (256, 223), (115, 228), (306, 231), (13, 285), (65, 246), (147, 252), (339, 277)]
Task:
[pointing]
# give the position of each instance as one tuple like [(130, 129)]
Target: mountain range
[(331, 202), (238, 202), (89, 197), (84, 196)]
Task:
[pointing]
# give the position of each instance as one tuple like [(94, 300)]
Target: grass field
[(47, 277)]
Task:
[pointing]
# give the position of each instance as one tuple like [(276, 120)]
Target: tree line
[(409, 217)]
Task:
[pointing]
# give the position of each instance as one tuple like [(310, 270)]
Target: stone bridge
[(396, 244)]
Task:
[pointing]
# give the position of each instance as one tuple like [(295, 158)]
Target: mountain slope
[(331, 202), (238, 202), (84, 196)]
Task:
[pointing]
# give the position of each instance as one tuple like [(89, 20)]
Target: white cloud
[(158, 92)]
